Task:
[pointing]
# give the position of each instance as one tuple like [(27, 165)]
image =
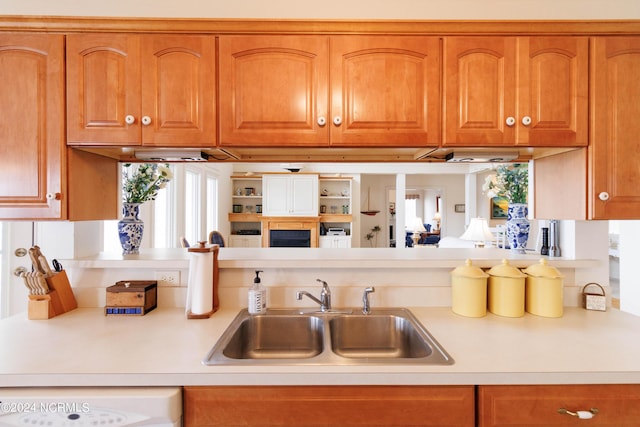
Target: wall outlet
[(168, 277)]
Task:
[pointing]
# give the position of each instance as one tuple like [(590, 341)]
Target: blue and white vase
[(130, 228), (517, 227)]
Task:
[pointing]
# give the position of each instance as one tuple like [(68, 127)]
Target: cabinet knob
[(54, 196), (526, 120), (583, 415), (146, 120), (129, 119), (604, 196), (510, 121), (337, 120), (18, 272), (322, 121)]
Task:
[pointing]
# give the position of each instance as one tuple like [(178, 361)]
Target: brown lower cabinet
[(544, 405), (335, 406)]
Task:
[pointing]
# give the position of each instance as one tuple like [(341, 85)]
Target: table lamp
[(418, 228), (478, 232), (437, 217)]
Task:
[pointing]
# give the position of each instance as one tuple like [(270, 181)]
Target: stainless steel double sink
[(337, 337)]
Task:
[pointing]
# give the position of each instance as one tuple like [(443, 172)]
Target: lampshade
[(478, 231), (417, 225), (437, 216)]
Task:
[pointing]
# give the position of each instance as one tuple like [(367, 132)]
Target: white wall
[(332, 9), (629, 256)]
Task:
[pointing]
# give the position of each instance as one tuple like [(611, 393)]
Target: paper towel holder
[(203, 248)]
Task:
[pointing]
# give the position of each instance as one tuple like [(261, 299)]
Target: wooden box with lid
[(131, 297)]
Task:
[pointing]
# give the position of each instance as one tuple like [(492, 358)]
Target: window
[(410, 211), (192, 204), (188, 207)]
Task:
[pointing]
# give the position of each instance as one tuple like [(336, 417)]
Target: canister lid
[(543, 270), (506, 270), (468, 270)]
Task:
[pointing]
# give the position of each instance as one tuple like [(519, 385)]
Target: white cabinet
[(335, 242), (290, 195), (241, 241)]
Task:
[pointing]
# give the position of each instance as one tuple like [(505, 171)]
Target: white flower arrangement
[(510, 182), (141, 183)]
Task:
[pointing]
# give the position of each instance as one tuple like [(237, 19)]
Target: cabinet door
[(32, 149), (385, 91), (275, 200), (540, 405), (273, 90), (103, 89), (304, 195), (335, 242), (310, 406), (614, 149), (178, 90), (479, 91), (553, 88)]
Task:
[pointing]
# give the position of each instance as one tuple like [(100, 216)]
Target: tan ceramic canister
[(469, 290), (506, 290), (544, 290)]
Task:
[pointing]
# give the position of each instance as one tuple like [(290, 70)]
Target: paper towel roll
[(200, 284)]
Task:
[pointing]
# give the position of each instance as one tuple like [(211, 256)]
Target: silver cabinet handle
[(510, 121), (146, 120), (604, 196), (526, 120), (18, 272), (583, 415), (337, 120), (129, 119), (322, 121)]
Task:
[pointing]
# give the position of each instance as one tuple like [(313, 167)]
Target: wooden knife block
[(60, 299)]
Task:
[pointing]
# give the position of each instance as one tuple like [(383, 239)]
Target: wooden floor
[(615, 303)]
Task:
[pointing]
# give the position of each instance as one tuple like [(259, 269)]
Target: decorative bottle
[(257, 303)]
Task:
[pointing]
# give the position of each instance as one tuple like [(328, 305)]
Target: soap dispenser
[(257, 296)]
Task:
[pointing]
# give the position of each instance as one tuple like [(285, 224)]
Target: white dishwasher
[(91, 407)]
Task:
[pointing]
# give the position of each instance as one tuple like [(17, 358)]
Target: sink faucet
[(366, 306), (325, 296)]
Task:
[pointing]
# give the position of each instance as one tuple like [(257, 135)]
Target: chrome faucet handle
[(366, 306), (325, 296)]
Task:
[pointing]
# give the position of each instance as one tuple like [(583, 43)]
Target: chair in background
[(183, 242), (216, 238), (500, 236)]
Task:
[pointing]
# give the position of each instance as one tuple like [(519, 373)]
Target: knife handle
[(42, 283), (45, 266), (33, 254)]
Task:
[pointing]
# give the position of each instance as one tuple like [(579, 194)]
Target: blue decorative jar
[(517, 227), (130, 228)]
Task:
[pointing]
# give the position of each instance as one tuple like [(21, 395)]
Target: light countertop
[(83, 347), (363, 258)]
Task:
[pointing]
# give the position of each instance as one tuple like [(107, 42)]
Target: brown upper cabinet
[(601, 181), (329, 91), (154, 90), (32, 126), (506, 91), (42, 178), (614, 152)]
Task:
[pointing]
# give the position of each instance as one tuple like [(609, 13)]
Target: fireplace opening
[(290, 238)]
